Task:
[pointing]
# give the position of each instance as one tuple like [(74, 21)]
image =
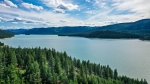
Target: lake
[(131, 57)]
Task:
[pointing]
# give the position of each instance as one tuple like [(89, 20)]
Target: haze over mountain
[(16, 14)]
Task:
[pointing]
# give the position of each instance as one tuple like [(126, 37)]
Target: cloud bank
[(45, 13)]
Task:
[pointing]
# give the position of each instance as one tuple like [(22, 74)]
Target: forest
[(106, 34), (48, 66), (5, 34), (1, 44)]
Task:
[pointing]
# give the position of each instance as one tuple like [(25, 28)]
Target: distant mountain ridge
[(106, 34), (141, 27), (138, 27), (59, 30)]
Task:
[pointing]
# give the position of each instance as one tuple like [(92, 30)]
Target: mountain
[(17, 31), (106, 34), (141, 27), (60, 30), (5, 34)]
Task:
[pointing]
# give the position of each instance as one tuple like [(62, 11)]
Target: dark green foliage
[(145, 37), (46, 66), (5, 34), (107, 34), (58, 30), (1, 44), (115, 74)]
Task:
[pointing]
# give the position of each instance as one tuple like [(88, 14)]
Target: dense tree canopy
[(1, 44), (47, 66), (107, 34), (5, 34)]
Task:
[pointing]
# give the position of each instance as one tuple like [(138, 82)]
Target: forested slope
[(141, 27), (5, 34), (106, 34), (47, 66)]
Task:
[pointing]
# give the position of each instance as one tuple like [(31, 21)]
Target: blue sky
[(46, 13)]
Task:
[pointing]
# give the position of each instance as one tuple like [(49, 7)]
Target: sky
[(16, 14)]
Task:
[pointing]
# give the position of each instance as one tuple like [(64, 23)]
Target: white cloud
[(88, 0), (137, 6), (63, 21), (3, 5), (67, 7), (23, 20), (3, 19), (138, 9), (90, 12), (57, 10), (15, 22), (122, 11), (59, 4), (9, 3), (18, 19), (49, 18), (102, 4), (31, 6)]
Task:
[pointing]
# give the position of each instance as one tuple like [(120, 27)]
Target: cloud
[(9, 3), (57, 10), (90, 12), (118, 11), (15, 22), (18, 19), (3, 5), (136, 6), (3, 19), (68, 7), (95, 12), (31, 6), (59, 4), (103, 4), (63, 21), (88, 0)]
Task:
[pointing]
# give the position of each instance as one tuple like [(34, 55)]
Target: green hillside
[(106, 34), (5, 34), (139, 27), (47, 66)]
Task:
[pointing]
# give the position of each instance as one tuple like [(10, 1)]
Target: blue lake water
[(131, 57)]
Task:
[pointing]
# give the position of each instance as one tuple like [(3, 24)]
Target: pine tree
[(2, 66), (58, 66), (11, 73), (12, 58), (115, 74)]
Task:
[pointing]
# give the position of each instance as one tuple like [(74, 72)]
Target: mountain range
[(141, 27)]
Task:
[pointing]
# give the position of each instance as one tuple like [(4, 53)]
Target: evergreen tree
[(115, 74), (46, 66), (12, 75), (2, 66)]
